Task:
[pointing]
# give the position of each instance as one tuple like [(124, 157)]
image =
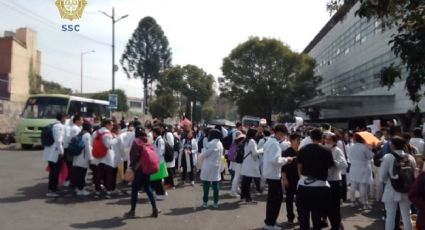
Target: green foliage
[(51, 87), (207, 113), (164, 106), (263, 77), (408, 42), (191, 82), (122, 98), (147, 53)]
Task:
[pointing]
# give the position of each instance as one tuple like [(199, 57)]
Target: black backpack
[(177, 144), (169, 152), (240, 155), (47, 136), (405, 171)]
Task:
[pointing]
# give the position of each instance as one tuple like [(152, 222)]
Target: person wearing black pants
[(335, 181), (246, 188), (272, 166), (79, 177), (314, 194), (54, 168), (290, 175)]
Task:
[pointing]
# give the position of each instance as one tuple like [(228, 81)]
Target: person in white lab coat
[(118, 148), (54, 154), (169, 138), (210, 173), (418, 141), (72, 130), (81, 162), (187, 156), (250, 166), (105, 165), (391, 198), (272, 165), (334, 179), (360, 174), (159, 146)]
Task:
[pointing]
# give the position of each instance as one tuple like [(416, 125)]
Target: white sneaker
[(160, 197), (234, 194), (166, 193), (115, 192), (82, 192), (269, 227), (66, 183), (192, 183), (52, 194)]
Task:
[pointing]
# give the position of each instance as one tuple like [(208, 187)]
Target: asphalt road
[(23, 184)]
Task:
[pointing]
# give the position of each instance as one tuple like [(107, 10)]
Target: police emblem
[(71, 9)]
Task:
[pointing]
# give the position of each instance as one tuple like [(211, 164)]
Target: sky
[(200, 32)]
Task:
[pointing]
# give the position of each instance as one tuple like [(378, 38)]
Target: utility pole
[(113, 41), (81, 69)]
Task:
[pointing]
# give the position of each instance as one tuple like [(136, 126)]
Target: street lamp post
[(81, 69), (113, 41)]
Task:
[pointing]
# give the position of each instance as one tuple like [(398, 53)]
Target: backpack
[(99, 149), (405, 171), (240, 154), (177, 144), (76, 145), (231, 154), (227, 141), (169, 152), (149, 160), (47, 136)]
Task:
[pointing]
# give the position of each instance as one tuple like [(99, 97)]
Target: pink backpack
[(149, 161)]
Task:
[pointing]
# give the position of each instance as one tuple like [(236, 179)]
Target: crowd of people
[(310, 168)]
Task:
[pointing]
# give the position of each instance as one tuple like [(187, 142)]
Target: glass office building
[(350, 53)]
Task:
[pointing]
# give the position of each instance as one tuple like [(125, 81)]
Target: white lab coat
[(194, 145), (419, 144), (211, 161), (361, 170), (340, 165), (83, 160), (159, 146), (251, 163), (108, 141), (128, 138), (273, 160), (169, 138), (385, 172), (118, 148), (51, 153)]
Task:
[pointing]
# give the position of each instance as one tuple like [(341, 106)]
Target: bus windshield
[(45, 107)]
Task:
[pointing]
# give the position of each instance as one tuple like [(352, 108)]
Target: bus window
[(44, 107)]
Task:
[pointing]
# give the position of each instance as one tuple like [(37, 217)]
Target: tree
[(263, 77), (51, 87), (164, 106), (407, 43), (191, 82), (146, 54), (122, 98)]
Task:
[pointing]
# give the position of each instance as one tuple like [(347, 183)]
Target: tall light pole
[(113, 41), (81, 69)]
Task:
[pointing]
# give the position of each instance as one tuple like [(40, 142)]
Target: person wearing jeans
[(210, 173), (140, 179), (272, 165)]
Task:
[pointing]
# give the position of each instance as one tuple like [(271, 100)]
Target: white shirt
[(273, 160), (251, 162), (334, 173), (419, 143), (169, 138), (84, 158), (385, 172), (51, 153), (159, 146)]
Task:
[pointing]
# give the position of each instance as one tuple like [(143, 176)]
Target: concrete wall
[(9, 115)]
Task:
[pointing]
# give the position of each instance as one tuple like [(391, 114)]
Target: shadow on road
[(27, 193), (102, 224)]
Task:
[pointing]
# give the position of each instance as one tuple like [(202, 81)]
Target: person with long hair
[(250, 166), (210, 173), (140, 178), (360, 174)]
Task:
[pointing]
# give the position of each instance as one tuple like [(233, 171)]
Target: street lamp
[(81, 80), (113, 41)]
